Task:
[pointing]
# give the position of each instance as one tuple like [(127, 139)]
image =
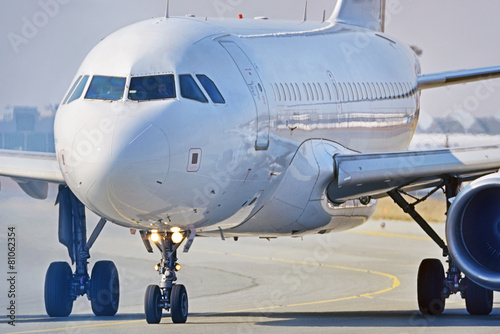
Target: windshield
[(157, 87), (106, 88)]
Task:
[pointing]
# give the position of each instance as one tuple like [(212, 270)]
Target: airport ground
[(354, 282)]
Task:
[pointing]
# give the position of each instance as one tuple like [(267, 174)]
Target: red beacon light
[(240, 16)]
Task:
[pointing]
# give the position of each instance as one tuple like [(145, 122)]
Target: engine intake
[(473, 231)]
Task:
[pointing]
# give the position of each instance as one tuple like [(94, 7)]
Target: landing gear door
[(256, 88)]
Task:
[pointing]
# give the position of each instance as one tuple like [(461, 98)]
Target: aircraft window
[(277, 91), (370, 91), (345, 93), (378, 90), (211, 89), (337, 94), (365, 91), (362, 89), (311, 91), (79, 89), (391, 88), (190, 90), (388, 90), (149, 88), (343, 90), (293, 91), (283, 91), (72, 89), (297, 89), (355, 94), (350, 92), (383, 94), (274, 92), (288, 91), (307, 93), (317, 91), (329, 92), (321, 92), (106, 88)]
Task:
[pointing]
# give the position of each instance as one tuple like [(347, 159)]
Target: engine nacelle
[(473, 231)]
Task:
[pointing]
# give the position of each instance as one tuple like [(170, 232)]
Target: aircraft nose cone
[(124, 184)]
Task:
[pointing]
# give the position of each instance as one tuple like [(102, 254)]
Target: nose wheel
[(167, 295)]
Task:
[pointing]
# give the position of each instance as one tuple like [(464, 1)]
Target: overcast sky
[(454, 34)]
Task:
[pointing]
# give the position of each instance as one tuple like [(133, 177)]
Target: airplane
[(181, 127)]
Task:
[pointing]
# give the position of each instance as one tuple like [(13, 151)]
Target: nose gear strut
[(167, 295)]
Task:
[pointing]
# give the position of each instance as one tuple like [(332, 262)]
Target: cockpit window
[(211, 89), (79, 90), (72, 89), (190, 90), (149, 88), (106, 88)]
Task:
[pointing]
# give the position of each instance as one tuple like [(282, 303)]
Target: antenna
[(166, 10), (324, 16), (305, 13)]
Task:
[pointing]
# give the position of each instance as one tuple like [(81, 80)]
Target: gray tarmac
[(358, 281)]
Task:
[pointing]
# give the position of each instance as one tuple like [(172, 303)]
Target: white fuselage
[(180, 162)]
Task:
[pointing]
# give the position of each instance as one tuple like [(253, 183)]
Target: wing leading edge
[(434, 80), (32, 171), (363, 175)]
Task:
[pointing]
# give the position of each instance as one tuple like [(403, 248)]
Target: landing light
[(175, 229), (154, 236), (177, 267), (177, 237)]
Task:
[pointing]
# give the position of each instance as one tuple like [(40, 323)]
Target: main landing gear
[(62, 286), (167, 295), (434, 286)]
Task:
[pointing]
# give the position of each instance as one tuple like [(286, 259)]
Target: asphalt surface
[(358, 281)]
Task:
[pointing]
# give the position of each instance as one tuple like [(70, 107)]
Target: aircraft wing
[(32, 171), (441, 79), (361, 175)]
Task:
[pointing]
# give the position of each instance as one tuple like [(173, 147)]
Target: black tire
[(179, 304), (152, 304), (104, 289), (478, 300), (430, 285), (58, 300)]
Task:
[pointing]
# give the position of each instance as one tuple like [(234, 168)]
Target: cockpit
[(145, 88)]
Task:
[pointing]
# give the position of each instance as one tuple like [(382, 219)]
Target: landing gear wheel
[(58, 301), (430, 285), (478, 300), (152, 304), (104, 289), (179, 304)]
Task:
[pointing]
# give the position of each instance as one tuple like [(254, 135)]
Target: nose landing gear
[(167, 295)]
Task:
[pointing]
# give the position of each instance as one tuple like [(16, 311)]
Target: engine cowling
[(473, 231)]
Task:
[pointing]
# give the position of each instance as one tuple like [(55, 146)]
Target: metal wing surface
[(362, 175), (32, 171)]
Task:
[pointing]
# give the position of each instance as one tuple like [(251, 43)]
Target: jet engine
[(473, 231)]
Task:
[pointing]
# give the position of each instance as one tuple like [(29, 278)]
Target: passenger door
[(256, 88)]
